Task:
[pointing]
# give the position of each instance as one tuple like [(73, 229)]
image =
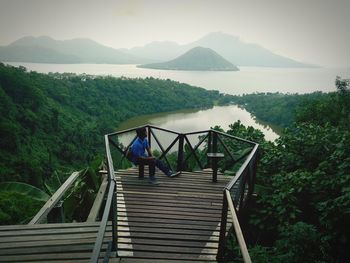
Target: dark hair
[(141, 132)]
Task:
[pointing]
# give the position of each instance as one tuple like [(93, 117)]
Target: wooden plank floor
[(177, 220), (67, 242)]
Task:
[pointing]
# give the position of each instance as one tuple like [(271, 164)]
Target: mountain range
[(45, 49), (197, 58), (230, 47)]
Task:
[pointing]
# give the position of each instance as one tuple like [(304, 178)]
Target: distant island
[(230, 47), (197, 58)]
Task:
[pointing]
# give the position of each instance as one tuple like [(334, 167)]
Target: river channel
[(196, 120)]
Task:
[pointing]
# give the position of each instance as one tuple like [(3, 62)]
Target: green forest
[(301, 211), (52, 124), (277, 108)]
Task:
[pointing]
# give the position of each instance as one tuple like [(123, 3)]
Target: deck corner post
[(209, 149), (149, 129), (215, 142), (180, 155), (214, 161)]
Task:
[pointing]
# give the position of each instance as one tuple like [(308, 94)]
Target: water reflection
[(196, 120)]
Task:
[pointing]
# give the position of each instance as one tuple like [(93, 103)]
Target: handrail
[(233, 137), (110, 202), (125, 131), (238, 230), (162, 129), (227, 199), (197, 132), (243, 166), (47, 207), (103, 225)]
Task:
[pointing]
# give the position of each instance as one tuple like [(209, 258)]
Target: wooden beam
[(102, 229), (98, 200), (41, 215)]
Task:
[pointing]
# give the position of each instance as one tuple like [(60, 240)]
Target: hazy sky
[(315, 31)]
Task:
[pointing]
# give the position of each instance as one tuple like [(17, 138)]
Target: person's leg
[(164, 168), (141, 170), (152, 169), (151, 165)]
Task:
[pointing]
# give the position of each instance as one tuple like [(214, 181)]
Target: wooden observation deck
[(179, 219), (183, 219)]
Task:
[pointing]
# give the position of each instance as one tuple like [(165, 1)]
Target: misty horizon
[(314, 31)]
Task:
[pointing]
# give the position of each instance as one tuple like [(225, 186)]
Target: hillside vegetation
[(57, 121), (283, 109), (301, 210)]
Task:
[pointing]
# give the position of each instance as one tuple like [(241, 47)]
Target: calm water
[(191, 120), (247, 80)]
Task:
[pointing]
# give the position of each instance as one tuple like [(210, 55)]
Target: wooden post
[(215, 142), (149, 136), (210, 133), (180, 154), (215, 157), (214, 161)]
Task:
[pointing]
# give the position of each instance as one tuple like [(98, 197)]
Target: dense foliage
[(277, 108), (58, 120), (301, 212)]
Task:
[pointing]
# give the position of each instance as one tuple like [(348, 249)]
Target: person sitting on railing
[(138, 155)]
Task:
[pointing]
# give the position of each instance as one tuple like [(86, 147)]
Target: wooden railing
[(110, 207), (244, 181), (237, 228), (54, 199), (235, 150)]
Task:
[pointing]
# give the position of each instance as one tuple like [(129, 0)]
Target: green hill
[(53, 121), (197, 58)]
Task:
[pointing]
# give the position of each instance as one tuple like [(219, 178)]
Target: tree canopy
[(301, 211)]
